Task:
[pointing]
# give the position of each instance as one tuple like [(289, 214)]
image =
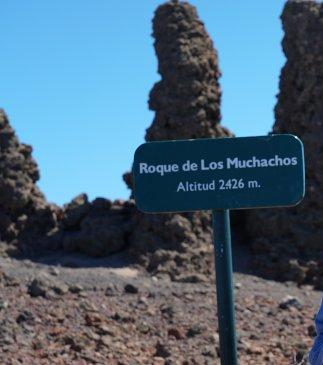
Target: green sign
[(218, 175), (223, 173)]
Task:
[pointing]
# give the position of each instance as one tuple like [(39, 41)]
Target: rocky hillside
[(72, 310)]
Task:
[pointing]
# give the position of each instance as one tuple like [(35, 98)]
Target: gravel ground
[(74, 310)]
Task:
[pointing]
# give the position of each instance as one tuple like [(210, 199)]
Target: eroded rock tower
[(289, 241), (24, 212), (187, 98), (186, 102)]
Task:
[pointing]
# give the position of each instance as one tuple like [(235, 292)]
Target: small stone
[(38, 344), (92, 335), (56, 331), (143, 301), (54, 271), (143, 327), (60, 288), (253, 349), (195, 330), (92, 319), (3, 304), (192, 278), (10, 281), (214, 338), (301, 357), (38, 287), (89, 307), (175, 332), (76, 289), (169, 311), (111, 290), (122, 317), (106, 341), (25, 316), (105, 330), (289, 301), (311, 331), (43, 285), (7, 340), (237, 286), (131, 289), (161, 350), (209, 351)]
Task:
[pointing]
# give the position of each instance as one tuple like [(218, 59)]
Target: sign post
[(224, 286), (219, 175)]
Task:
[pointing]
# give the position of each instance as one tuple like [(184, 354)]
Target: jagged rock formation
[(178, 246), (98, 228), (29, 223), (289, 241), (187, 98), (187, 105), (24, 213)]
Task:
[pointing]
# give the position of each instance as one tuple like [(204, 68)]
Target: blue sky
[(75, 77)]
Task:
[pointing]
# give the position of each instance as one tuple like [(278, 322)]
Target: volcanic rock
[(76, 210), (186, 102), (24, 212), (289, 301), (131, 289), (294, 236), (173, 244), (41, 286), (98, 228), (187, 98)]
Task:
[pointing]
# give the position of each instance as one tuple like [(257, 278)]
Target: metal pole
[(224, 287)]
